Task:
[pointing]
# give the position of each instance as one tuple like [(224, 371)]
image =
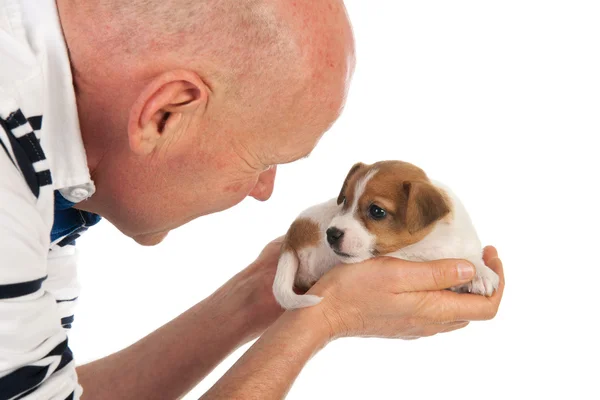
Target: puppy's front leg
[(485, 282)]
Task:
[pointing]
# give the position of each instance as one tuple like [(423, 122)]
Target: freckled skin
[(234, 187)]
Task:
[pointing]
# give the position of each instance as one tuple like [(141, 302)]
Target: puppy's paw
[(485, 283)]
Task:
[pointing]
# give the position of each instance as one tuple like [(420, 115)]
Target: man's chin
[(150, 239)]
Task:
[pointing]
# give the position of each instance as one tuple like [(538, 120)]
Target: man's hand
[(383, 297), (252, 290), (388, 297)]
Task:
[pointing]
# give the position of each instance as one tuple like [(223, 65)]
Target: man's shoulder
[(21, 100), (19, 64)]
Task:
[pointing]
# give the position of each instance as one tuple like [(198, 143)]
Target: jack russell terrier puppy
[(388, 208)]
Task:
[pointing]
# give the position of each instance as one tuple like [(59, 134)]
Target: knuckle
[(421, 302), (413, 324), (435, 297), (438, 275)]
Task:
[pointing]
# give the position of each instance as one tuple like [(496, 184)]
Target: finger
[(278, 240), (490, 252), (447, 306), (408, 276), (434, 329), (495, 265), (492, 260), (456, 326), (272, 245)]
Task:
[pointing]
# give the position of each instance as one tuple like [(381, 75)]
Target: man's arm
[(403, 301), (173, 359), (271, 365), (170, 361)]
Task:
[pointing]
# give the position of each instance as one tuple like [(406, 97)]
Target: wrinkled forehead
[(287, 148), (279, 147)]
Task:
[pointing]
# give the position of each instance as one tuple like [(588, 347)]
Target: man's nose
[(264, 185), (334, 235)]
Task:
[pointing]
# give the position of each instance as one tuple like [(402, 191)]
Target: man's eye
[(376, 212)]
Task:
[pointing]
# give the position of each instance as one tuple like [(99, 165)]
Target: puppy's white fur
[(358, 241), (307, 264)]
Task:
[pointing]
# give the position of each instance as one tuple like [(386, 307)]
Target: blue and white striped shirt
[(43, 173)]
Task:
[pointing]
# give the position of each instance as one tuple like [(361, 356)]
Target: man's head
[(187, 106)]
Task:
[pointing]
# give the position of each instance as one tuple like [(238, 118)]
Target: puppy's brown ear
[(352, 171), (425, 204)]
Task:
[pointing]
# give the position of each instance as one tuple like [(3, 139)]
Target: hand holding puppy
[(392, 298), (384, 297)]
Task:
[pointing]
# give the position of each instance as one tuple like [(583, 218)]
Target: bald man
[(151, 113)]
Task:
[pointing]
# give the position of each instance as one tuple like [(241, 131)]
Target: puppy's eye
[(376, 212)]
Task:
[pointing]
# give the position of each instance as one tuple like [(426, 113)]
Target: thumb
[(432, 275)]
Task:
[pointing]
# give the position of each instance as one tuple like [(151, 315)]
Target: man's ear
[(425, 204), (162, 107), (352, 171)]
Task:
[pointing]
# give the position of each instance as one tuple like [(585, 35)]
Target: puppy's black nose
[(334, 235)]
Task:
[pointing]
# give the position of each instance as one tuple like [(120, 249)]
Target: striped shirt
[(43, 174)]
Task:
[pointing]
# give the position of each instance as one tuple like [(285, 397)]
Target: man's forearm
[(173, 359), (271, 365)]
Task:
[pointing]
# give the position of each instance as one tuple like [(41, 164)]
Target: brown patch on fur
[(351, 173), (413, 204), (426, 205), (348, 190), (303, 233)]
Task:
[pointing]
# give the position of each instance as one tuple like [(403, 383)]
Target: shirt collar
[(61, 135)]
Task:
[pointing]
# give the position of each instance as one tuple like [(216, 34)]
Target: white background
[(500, 100)]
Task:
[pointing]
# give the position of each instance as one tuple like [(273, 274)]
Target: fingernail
[(465, 271)]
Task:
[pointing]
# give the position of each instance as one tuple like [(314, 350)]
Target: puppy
[(388, 208)]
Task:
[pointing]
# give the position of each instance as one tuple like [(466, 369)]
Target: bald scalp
[(223, 38), (288, 62), (227, 41)]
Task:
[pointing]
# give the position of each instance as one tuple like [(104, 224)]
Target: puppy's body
[(455, 238), (305, 256), (389, 208)]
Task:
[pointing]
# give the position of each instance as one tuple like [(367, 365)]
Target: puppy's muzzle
[(334, 236)]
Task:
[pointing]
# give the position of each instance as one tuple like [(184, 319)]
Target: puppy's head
[(385, 206)]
